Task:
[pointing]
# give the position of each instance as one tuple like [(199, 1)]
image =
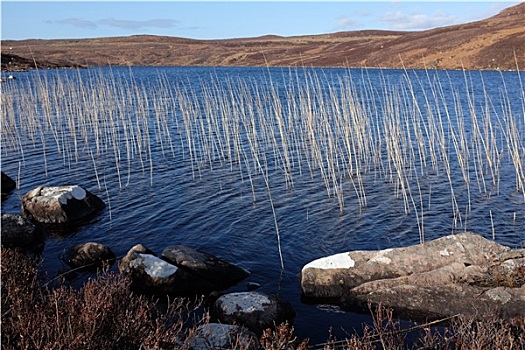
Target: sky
[(230, 19)]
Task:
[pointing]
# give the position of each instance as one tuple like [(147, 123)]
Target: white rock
[(337, 261), (245, 302), (223, 336), (78, 192), (64, 193), (155, 267)]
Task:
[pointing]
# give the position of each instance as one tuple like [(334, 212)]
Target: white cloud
[(118, 23), (345, 23), (76, 22), (402, 21)]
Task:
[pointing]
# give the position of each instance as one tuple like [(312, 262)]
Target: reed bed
[(346, 131)]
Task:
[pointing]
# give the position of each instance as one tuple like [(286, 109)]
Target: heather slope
[(497, 42)]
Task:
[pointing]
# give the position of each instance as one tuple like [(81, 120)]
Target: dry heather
[(104, 314), (494, 43)]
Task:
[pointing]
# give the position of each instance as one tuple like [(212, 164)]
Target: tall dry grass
[(346, 131)]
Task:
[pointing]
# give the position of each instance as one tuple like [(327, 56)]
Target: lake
[(271, 168)]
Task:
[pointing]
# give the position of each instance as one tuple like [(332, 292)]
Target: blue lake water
[(255, 164)]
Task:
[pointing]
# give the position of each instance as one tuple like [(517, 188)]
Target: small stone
[(18, 232), (124, 264), (254, 310), (89, 256), (153, 266), (223, 336), (148, 273)]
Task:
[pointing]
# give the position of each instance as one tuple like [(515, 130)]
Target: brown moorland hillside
[(494, 43)]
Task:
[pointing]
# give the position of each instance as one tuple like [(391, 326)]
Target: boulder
[(20, 233), (223, 336), (208, 267), (88, 257), (457, 274), (7, 183), (255, 310), (147, 272), (125, 265), (150, 274), (60, 205)]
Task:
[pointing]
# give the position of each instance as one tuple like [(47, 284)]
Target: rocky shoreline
[(462, 274), (457, 274)]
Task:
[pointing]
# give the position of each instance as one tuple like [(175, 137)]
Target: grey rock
[(20, 233), (457, 274), (150, 274), (223, 336), (124, 264), (60, 205), (206, 266), (7, 183), (255, 310), (88, 257)]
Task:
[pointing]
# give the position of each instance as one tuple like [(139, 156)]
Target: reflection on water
[(214, 158)]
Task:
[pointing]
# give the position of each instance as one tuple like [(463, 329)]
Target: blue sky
[(230, 19)]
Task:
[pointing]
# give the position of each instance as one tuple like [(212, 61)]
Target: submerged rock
[(60, 205), (206, 266), (443, 277), (7, 183), (223, 336), (20, 233), (255, 310), (89, 256)]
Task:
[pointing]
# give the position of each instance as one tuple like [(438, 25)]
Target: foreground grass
[(105, 314)]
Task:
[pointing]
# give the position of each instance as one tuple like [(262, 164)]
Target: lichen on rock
[(457, 274), (60, 204)]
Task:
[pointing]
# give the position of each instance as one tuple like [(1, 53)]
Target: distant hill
[(494, 43)]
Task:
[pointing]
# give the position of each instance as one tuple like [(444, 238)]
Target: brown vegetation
[(104, 314), (494, 43)]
